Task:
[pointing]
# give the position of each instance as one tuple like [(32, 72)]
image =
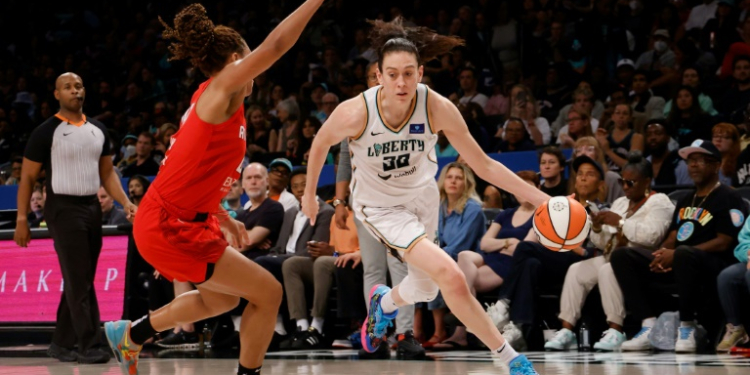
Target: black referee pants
[(75, 224)]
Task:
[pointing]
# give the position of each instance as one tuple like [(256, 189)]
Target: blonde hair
[(599, 158), (470, 191)]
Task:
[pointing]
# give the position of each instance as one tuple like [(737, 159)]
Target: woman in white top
[(641, 219), (392, 130)]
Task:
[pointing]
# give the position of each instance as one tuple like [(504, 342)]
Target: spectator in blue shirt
[(460, 228)]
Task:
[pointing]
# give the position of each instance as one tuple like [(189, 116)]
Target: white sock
[(505, 353), (303, 325), (648, 323), (687, 324), (280, 326), (236, 321), (318, 324), (387, 303)]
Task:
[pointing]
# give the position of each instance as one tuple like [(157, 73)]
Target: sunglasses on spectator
[(623, 182), (281, 171)]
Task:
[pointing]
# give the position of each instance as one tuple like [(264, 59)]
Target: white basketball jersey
[(392, 163)]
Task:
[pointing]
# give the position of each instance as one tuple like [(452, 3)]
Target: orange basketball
[(561, 223)]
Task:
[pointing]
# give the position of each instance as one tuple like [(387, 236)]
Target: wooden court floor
[(327, 362)]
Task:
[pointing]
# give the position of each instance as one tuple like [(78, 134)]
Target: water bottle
[(583, 338)]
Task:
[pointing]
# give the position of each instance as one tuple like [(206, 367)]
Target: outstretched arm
[(278, 42), (347, 120), (449, 120)]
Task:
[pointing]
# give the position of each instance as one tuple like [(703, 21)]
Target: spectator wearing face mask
[(127, 151), (659, 56)]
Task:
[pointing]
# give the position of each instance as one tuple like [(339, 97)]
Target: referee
[(76, 156)]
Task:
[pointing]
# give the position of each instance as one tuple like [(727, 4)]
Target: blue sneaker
[(125, 353), (521, 366), (377, 322)]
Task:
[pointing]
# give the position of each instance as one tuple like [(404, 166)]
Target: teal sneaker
[(563, 340), (521, 366), (125, 353), (377, 322), (611, 341)]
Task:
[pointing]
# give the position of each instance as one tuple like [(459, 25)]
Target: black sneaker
[(310, 339), (62, 354), (289, 343), (276, 341), (408, 347), (383, 352), (94, 355), (181, 340)]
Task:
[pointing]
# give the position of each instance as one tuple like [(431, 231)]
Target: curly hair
[(195, 38), (423, 42)]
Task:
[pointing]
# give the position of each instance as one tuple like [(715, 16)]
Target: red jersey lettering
[(201, 159)]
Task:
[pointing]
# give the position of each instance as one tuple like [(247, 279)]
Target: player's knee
[(451, 275), (275, 293), (269, 296), (453, 282)]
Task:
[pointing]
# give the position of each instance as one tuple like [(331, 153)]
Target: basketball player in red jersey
[(178, 228)]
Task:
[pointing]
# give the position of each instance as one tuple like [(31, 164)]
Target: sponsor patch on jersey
[(416, 128), (686, 230), (738, 218)]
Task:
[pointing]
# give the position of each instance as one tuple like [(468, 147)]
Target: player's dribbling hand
[(22, 236), (310, 207), (130, 211)]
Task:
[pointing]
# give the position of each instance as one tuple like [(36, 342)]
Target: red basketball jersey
[(203, 160)]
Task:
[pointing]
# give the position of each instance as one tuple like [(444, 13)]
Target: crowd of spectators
[(605, 78)]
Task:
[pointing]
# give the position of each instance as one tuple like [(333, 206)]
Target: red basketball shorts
[(179, 249)]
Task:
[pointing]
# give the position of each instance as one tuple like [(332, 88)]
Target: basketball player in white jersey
[(392, 130)]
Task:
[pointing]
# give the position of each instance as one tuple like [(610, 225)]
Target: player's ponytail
[(424, 43), (195, 38)]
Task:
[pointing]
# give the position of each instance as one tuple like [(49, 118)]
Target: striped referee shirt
[(69, 153)]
